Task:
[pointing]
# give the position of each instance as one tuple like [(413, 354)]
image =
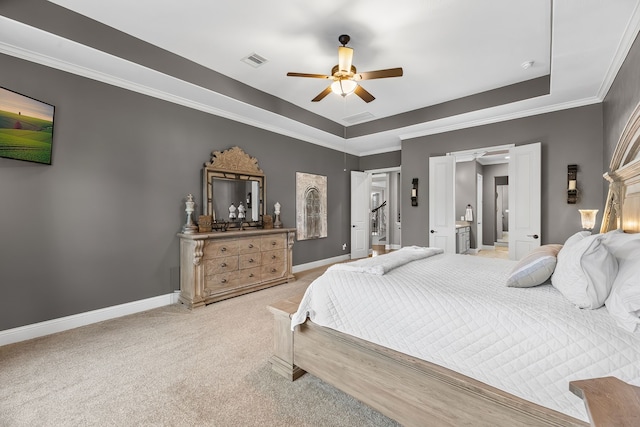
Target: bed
[(482, 353)]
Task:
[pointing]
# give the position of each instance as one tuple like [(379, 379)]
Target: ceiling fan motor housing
[(335, 71)]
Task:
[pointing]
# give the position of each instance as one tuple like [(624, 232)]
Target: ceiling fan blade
[(366, 96), (322, 94), (345, 58), (379, 74), (315, 76)]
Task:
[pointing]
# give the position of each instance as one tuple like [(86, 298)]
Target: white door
[(479, 202), (442, 225), (360, 193), (524, 199)]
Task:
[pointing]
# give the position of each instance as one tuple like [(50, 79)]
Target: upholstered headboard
[(622, 208)]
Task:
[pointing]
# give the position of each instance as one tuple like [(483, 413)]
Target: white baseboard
[(320, 263), (48, 327)]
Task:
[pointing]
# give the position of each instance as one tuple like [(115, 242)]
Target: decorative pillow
[(585, 272), (535, 268), (623, 303), (580, 235)]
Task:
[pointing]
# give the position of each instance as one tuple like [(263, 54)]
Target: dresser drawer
[(250, 260), (217, 282), (273, 257), (250, 276), (276, 241), (215, 249), (246, 246), (220, 265), (272, 271)]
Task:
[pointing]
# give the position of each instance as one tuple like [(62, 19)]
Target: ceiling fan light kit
[(343, 87), (345, 77)]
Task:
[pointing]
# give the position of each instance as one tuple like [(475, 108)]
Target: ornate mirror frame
[(622, 207), (232, 164)]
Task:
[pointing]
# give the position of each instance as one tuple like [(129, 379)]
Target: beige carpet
[(170, 367)]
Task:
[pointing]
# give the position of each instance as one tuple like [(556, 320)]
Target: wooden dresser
[(220, 265)]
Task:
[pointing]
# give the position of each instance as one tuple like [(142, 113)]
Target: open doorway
[(501, 238), (379, 213), (385, 211), (483, 176), (523, 196), (379, 208)]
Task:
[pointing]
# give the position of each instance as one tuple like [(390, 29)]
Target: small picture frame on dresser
[(204, 223), (267, 222)]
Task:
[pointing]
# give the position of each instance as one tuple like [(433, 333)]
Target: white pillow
[(623, 303), (579, 236), (585, 272), (616, 239), (535, 268)]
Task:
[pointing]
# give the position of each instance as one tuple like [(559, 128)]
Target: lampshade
[(343, 87), (588, 218)]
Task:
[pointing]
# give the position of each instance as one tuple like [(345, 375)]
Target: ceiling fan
[(345, 77)]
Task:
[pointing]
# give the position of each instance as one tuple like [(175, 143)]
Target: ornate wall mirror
[(233, 189)]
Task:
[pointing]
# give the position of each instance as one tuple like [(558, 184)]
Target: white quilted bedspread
[(455, 311)]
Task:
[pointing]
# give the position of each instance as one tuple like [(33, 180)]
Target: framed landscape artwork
[(311, 206), (26, 128)]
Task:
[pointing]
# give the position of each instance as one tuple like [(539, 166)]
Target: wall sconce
[(414, 192), (588, 218), (572, 193)]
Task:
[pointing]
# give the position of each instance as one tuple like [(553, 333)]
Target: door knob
[(433, 231), (353, 226), (535, 236)]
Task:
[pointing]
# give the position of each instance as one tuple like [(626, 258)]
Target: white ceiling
[(448, 49)]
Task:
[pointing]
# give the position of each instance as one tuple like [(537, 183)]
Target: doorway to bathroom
[(501, 209)]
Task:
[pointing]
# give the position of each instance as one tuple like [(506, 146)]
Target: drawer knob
[(223, 249), (224, 264), (250, 245), (273, 270), (273, 257), (251, 260), (223, 281), (273, 243), (251, 275)]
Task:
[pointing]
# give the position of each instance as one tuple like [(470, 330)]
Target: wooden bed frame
[(416, 393)]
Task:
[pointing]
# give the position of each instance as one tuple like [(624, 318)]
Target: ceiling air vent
[(360, 117), (254, 60)]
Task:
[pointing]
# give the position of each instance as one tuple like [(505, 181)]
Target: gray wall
[(381, 161), (98, 227), (568, 137)]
